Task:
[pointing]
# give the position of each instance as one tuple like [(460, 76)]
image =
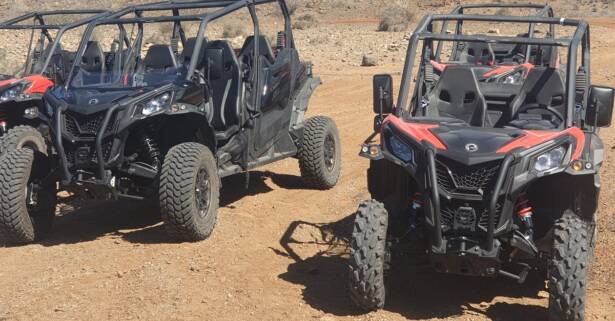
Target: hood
[(91, 101), (470, 145), (473, 145)]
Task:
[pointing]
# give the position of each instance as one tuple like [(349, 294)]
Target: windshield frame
[(119, 18), (38, 18), (424, 31)]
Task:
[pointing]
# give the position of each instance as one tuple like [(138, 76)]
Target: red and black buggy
[(490, 166), (24, 79)]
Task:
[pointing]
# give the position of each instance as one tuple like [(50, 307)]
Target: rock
[(494, 30), (369, 61)]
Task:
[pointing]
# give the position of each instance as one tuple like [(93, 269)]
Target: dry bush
[(292, 6), (233, 29), (305, 21), (502, 12), (16, 8), (3, 62), (162, 35), (396, 17), (166, 28)]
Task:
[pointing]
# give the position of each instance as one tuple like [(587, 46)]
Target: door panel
[(275, 107)]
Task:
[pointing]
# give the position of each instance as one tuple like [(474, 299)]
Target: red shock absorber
[(417, 201), (524, 213)]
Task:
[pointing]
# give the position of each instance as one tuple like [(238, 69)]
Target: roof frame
[(580, 37)]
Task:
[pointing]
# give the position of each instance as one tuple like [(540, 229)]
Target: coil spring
[(525, 213), (150, 146), (281, 40), (523, 207)]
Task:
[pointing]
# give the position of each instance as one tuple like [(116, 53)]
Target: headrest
[(93, 57), (188, 50), (264, 47), (160, 57), (543, 84)]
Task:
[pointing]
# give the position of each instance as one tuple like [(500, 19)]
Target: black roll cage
[(542, 11), (226, 7), (424, 31), (39, 24)]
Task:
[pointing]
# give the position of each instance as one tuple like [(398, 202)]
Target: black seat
[(159, 58), (541, 98), (456, 95), (264, 49), (188, 52), (93, 59), (225, 88), (477, 53)]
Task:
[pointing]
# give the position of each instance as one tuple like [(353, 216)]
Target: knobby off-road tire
[(20, 222), (189, 192), (23, 136), (368, 256), (320, 153), (568, 268)]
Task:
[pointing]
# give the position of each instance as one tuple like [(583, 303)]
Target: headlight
[(400, 149), (154, 105), (550, 160), (513, 78), (13, 92)]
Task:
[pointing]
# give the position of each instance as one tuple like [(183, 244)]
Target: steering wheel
[(544, 110)]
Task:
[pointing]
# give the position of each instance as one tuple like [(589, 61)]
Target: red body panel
[(419, 132), (494, 72), (532, 138), (7, 82), (438, 66), (503, 69), (39, 84), (529, 138)]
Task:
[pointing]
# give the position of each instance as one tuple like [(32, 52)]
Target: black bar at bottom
[(99, 138), (59, 145), (494, 200), (435, 197)]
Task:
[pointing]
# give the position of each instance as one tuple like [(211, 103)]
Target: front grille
[(86, 125), (454, 177), (75, 153), (450, 220)]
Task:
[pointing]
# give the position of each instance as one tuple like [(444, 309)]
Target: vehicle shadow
[(415, 292), (233, 187), (138, 222), (82, 221)]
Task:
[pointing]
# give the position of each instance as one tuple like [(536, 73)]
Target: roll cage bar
[(542, 11), (424, 31), (226, 7), (39, 24), (39, 16)]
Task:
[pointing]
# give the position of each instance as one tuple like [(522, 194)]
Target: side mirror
[(383, 94), (215, 62), (600, 109)]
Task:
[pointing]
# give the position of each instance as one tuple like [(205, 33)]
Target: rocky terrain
[(279, 250)]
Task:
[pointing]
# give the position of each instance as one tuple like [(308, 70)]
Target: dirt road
[(278, 252)]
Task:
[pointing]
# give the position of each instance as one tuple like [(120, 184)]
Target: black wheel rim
[(201, 192), (330, 152)]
